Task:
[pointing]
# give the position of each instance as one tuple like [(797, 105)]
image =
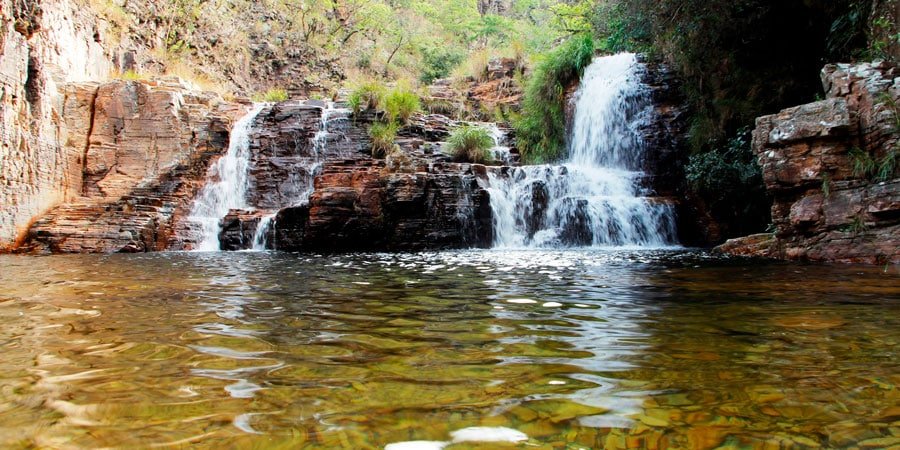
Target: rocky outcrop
[(483, 96), (43, 46), (288, 143), (832, 167), (414, 199), (359, 207), (146, 152)]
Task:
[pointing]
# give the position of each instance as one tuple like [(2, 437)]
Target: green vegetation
[(469, 143), (273, 95), (863, 163), (400, 104), (383, 136), (540, 130), (729, 179), (130, 75), (367, 96)]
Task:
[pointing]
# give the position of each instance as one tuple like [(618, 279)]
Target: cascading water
[(596, 197), (228, 189), (329, 113)]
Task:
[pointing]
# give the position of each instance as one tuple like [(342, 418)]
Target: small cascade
[(260, 236), (303, 180), (500, 152), (598, 196), (228, 186)]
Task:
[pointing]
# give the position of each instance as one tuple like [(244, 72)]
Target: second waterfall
[(598, 196)]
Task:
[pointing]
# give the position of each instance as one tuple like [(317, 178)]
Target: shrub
[(438, 62), (470, 144), (383, 136), (400, 104), (541, 128), (366, 96), (729, 180), (273, 95)]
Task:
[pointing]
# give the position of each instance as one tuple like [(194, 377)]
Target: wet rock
[(577, 231), (540, 199), (357, 205), (238, 229)]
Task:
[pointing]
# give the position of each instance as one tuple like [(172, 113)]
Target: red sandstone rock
[(148, 153), (822, 210)]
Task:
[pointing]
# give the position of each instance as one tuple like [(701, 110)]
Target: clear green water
[(255, 350)]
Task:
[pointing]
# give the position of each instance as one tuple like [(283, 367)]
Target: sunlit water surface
[(593, 349)]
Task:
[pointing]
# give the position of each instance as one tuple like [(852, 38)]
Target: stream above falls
[(586, 348)]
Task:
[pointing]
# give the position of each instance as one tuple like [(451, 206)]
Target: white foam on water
[(488, 434)]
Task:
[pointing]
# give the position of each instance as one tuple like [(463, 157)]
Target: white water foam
[(228, 186), (596, 197)]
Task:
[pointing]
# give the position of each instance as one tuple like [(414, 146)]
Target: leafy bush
[(729, 180), (383, 136), (273, 95), (469, 143), (438, 62), (400, 104), (366, 96), (541, 128)]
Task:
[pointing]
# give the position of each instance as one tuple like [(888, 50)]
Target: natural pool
[(575, 349)]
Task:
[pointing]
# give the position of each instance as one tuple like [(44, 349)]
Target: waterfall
[(228, 187), (306, 176), (260, 236), (500, 151), (596, 197)]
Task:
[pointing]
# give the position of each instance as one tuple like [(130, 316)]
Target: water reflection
[(587, 349)]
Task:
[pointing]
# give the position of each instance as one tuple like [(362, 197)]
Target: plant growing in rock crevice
[(273, 95), (396, 106), (470, 143), (383, 136), (400, 104), (367, 96)]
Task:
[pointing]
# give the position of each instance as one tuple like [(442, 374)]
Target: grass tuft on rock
[(469, 143), (383, 136), (367, 96), (400, 104)]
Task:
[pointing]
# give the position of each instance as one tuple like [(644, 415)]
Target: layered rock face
[(43, 46), (146, 147), (311, 168), (832, 167), (358, 208)]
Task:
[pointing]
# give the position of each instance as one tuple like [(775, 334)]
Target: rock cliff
[(316, 176), (832, 167), (145, 148), (44, 46)]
